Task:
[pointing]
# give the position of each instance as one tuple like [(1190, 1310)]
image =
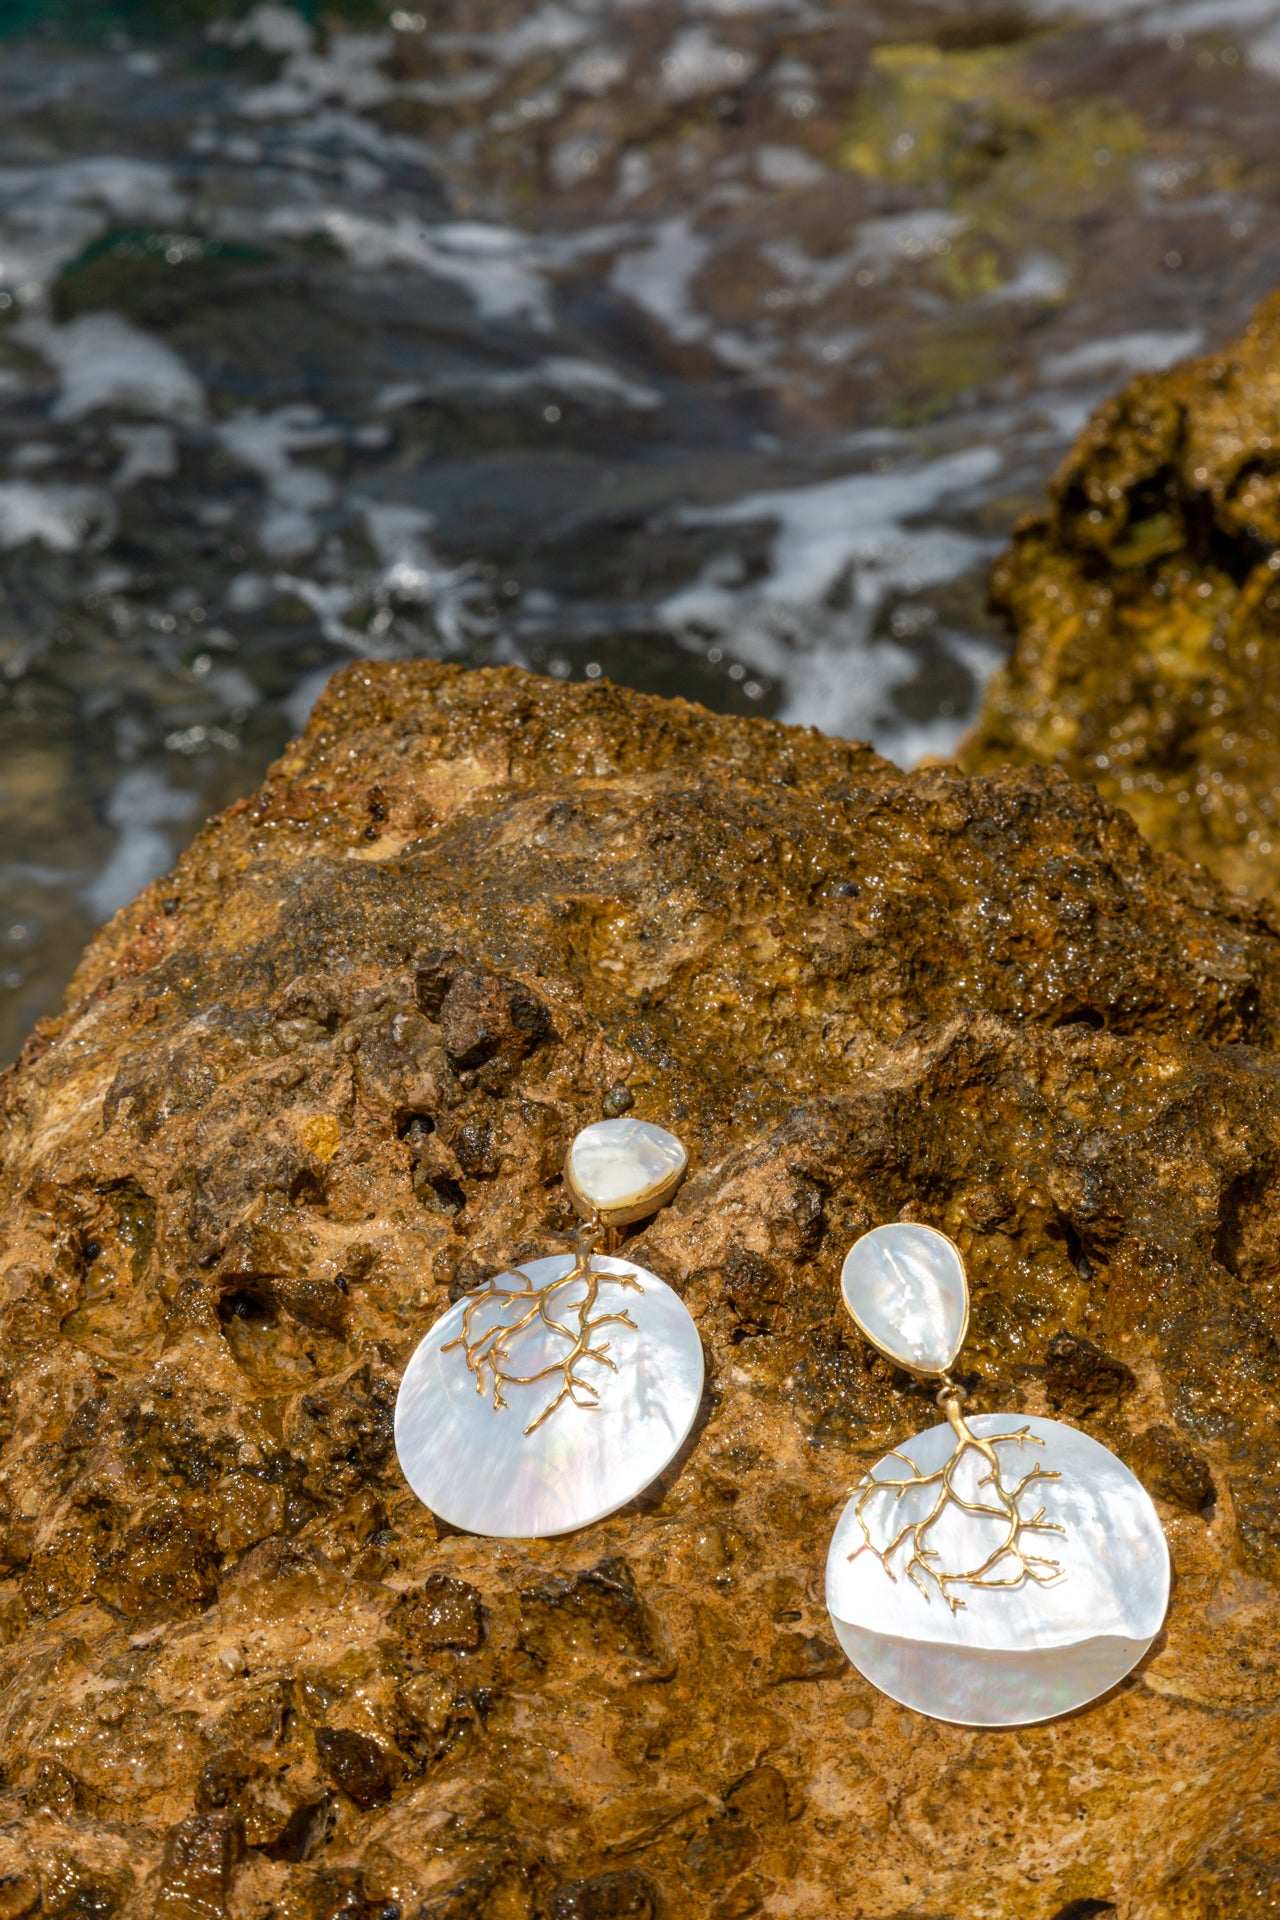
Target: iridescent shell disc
[(1008, 1655), (473, 1463)]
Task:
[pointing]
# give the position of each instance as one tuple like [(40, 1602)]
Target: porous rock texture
[(1146, 604), (320, 1080)]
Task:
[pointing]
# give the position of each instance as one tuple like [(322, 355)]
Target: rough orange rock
[(1146, 604), (321, 1079)]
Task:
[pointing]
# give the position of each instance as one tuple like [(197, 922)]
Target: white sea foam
[(63, 518), (659, 277), (498, 267), (349, 71), (787, 167), (32, 454), (1138, 352), (297, 704), (1211, 16), (730, 8), (695, 64), (123, 187), (595, 385), (907, 742), (833, 349), (400, 393), (335, 130), (410, 573), (276, 29), (906, 236), (636, 174), (1185, 17), (589, 382), (227, 689), (1107, 10), (837, 550), (413, 571), (1066, 418), (552, 29), (881, 246), (456, 89), (398, 533), (858, 520), (266, 443), (141, 804), (1039, 277), (595, 72), (103, 361), (49, 214), (578, 158), (150, 453)]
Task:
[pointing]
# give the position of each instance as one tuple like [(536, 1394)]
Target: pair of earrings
[(992, 1571)]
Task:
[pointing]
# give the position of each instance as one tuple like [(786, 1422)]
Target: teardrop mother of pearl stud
[(994, 1570), (558, 1391), (905, 1287)]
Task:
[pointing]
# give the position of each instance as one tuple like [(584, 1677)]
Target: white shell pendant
[(997, 1569), (560, 1390)]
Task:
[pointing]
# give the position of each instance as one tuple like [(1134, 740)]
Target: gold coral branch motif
[(492, 1348), (1010, 1552)]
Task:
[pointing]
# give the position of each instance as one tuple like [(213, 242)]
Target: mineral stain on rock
[(246, 1674)]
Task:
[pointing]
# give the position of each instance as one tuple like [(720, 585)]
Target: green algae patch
[(136, 270), (975, 127), (150, 18), (1146, 604), (940, 362)]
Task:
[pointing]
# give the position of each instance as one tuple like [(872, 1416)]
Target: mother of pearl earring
[(555, 1393), (998, 1569)]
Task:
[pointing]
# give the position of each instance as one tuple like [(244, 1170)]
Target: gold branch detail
[(1009, 1563), (492, 1348)]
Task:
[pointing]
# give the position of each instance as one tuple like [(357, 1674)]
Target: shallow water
[(710, 345)]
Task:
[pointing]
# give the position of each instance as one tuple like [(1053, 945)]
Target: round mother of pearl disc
[(905, 1286), (620, 1163), (473, 1463), (1008, 1655)]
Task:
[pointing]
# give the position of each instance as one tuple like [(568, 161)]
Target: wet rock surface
[(1146, 601), (246, 1674), (710, 347)]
